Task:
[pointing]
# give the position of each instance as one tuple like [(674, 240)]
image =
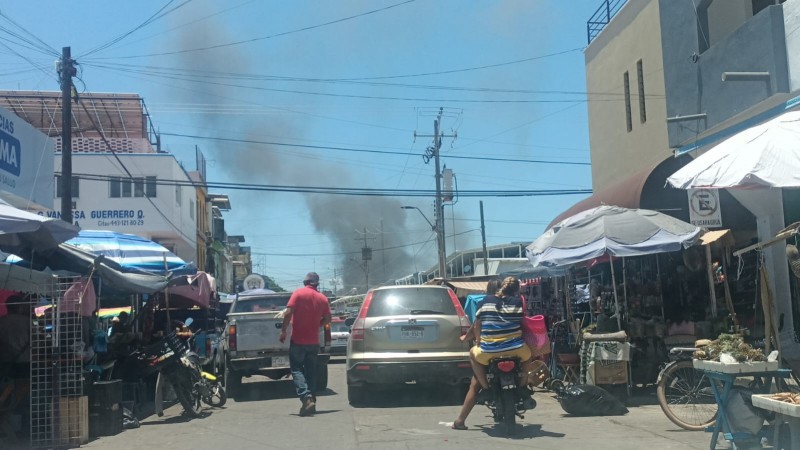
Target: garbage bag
[(743, 417), (588, 400)]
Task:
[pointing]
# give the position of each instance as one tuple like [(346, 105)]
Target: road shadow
[(265, 389), (408, 396), (521, 431)]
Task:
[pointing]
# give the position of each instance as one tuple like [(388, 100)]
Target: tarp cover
[(766, 155), (610, 230)]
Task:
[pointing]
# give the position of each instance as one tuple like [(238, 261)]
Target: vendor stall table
[(787, 421), (721, 384)]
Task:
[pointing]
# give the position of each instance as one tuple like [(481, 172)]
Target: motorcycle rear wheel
[(509, 410), (217, 398)]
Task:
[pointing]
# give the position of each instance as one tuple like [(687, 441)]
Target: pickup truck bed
[(250, 343)]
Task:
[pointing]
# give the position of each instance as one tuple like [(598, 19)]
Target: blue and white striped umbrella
[(131, 251)]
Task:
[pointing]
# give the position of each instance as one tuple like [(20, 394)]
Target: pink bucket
[(539, 326)]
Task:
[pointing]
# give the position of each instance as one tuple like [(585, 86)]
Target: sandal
[(456, 426)]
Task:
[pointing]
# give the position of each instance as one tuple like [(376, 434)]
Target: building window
[(191, 209), (640, 76), (76, 192), (138, 187), (150, 187), (114, 188), (627, 85)]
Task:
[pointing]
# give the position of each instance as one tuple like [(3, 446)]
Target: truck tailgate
[(258, 332)]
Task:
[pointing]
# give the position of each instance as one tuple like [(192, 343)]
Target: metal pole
[(437, 144), (65, 77), (483, 237), (616, 298)]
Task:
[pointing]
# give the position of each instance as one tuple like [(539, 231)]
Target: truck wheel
[(233, 380), (322, 376), (356, 394)]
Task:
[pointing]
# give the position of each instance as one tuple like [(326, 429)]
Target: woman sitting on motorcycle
[(498, 322)]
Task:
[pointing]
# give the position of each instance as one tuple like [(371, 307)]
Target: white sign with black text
[(704, 208)]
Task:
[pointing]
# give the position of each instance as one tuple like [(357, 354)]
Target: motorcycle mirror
[(188, 322)]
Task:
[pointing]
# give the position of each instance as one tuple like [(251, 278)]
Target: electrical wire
[(154, 17), (38, 43), (369, 192), (383, 152), (247, 41)]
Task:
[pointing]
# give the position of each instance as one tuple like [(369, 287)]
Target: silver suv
[(404, 334)]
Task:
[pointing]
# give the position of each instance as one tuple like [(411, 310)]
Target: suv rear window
[(393, 302), (263, 304)]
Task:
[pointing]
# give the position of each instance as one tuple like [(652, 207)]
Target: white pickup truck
[(249, 344)]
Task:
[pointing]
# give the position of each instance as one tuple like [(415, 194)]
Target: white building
[(151, 206)]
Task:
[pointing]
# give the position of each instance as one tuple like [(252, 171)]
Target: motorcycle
[(171, 360), (507, 400), (207, 385)]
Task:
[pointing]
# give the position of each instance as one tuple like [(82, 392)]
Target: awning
[(470, 286), (626, 193), (724, 237)]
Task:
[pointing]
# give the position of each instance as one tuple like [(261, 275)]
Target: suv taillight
[(357, 330), (232, 338), (463, 320)]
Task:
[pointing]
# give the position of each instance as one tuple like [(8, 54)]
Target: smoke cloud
[(349, 222)]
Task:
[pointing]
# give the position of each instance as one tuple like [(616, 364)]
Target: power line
[(347, 191), (384, 152), (39, 44), (247, 41), (155, 16)]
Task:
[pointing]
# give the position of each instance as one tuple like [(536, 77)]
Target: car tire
[(356, 395), (233, 380)]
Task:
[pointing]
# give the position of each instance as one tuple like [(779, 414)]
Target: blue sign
[(10, 153)]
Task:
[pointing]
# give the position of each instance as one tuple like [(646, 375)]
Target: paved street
[(265, 416)]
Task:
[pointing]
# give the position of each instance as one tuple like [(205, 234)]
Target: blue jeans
[(303, 364)]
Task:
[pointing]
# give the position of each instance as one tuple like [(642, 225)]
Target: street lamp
[(439, 241)]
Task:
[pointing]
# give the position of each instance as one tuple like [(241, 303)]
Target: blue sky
[(331, 77)]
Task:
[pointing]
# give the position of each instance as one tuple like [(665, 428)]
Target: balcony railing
[(597, 23)]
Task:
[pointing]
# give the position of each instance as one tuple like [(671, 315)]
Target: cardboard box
[(73, 420), (610, 372)]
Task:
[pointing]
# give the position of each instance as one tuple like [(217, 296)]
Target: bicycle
[(684, 393)]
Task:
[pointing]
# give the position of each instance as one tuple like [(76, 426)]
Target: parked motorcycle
[(507, 399), (207, 385), (169, 358)]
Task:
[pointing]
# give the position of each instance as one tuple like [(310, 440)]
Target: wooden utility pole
[(483, 237), (434, 151), (65, 73)]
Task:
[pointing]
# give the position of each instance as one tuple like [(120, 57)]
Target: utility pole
[(366, 257), (65, 73), (483, 237), (434, 151)]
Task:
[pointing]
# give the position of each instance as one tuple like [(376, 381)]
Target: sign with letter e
[(704, 208)]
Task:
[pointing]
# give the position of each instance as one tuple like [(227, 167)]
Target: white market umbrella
[(611, 230), (764, 156), (22, 232)]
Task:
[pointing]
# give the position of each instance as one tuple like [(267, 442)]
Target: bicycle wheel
[(685, 396)]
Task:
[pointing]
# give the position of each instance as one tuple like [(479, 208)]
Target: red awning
[(626, 193)]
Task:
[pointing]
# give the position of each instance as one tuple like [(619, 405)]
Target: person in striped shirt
[(498, 322)]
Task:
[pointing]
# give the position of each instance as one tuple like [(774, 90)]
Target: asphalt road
[(265, 416)]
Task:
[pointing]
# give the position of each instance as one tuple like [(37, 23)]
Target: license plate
[(411, 332), (280, 361)]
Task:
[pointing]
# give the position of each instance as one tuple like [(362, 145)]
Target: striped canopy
[(131, 252)]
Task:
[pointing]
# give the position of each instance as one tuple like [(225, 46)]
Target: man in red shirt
[(308, 311)]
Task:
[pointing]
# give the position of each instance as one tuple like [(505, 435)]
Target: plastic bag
[(743, 417), (588, 400)]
